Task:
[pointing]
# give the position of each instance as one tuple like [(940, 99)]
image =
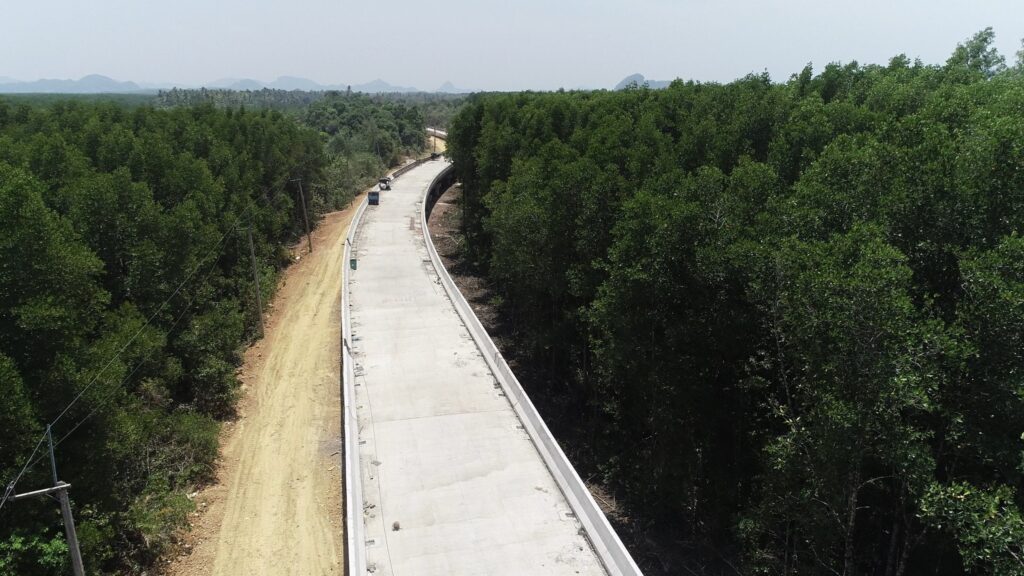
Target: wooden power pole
[(305, 217), (256, 280)]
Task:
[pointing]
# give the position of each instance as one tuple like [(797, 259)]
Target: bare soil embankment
[(275, 507)]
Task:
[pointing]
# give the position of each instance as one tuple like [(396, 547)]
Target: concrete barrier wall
[(405, 168), (402, 170), (355, 539), (602, 536)]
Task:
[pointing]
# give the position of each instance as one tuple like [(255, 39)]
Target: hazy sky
[(481, 44)]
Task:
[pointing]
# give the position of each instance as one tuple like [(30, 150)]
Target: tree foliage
[(781, 318), (125, 277)]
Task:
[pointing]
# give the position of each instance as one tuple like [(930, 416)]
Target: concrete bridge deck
[(451, 482)]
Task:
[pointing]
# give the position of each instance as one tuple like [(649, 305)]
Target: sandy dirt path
[(436, 145), (276, 506)]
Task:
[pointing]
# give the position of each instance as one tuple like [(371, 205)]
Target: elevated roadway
[(446, 476)]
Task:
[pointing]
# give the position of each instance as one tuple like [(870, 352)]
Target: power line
[(136, 335), (124, 380), (9, 490)]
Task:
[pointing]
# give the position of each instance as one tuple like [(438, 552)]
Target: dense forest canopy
[(364, 133), (437, 108), (786, 320), (363, 137), (125, 278)]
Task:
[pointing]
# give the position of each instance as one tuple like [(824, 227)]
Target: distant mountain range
[(96, 84), (305, 84), (92, 84), (639, 80), (449, 88)]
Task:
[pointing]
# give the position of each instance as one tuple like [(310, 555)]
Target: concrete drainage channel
[(606, 543)]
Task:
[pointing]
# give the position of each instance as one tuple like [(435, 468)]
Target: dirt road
[(276, 507), (436, 145)]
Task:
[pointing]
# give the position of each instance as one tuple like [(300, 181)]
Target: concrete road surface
[(452, 483)]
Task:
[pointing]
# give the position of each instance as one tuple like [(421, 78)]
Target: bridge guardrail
[(355, 530), (609, 548), (403, 169)]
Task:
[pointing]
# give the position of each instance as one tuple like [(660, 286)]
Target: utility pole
[(302, 197), (65, 511), (256, 279), (61, 489)]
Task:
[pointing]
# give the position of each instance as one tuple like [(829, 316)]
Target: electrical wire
[(9, 490), (95, 378), (101, 403)]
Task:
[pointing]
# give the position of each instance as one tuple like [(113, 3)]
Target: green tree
[(977, 55)]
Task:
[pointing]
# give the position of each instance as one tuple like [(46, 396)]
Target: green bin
[(352, 263)]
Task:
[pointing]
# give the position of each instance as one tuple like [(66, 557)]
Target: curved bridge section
[(449, 468)]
